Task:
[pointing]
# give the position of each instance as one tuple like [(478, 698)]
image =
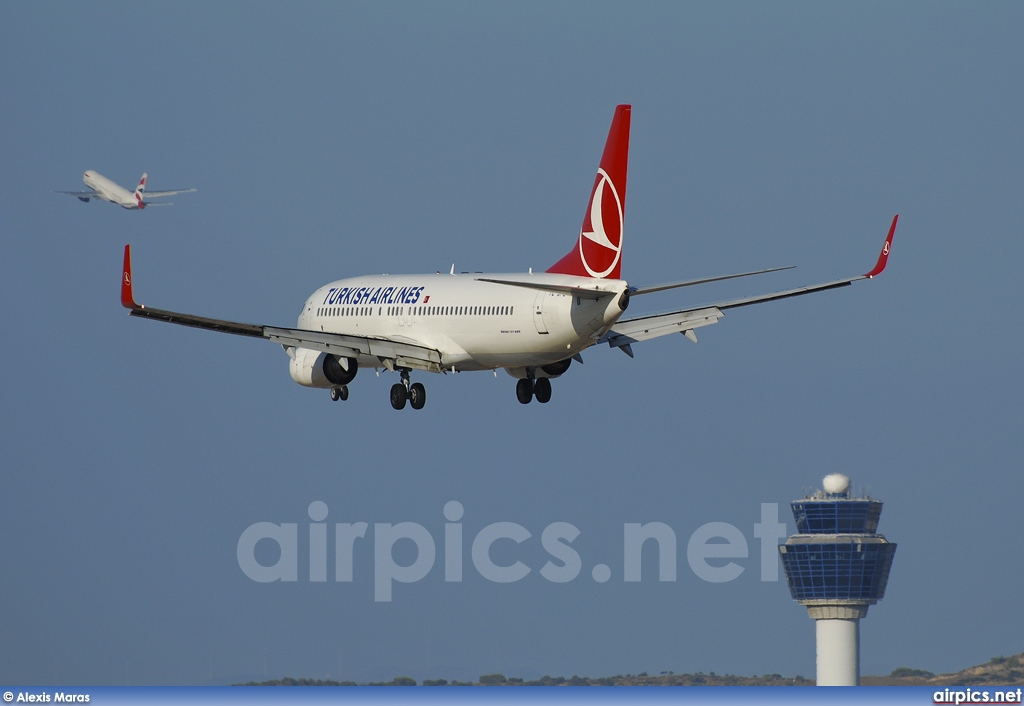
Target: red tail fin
[(140, 192), (598, 252)]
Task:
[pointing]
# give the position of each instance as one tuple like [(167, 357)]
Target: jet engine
[(315, 369), (551, 370)]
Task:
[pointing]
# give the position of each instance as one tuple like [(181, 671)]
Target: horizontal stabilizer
[(166, 192), (597, 291), (690, 282)]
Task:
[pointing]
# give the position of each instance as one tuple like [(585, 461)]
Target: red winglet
[(883, 257), (127, 296)]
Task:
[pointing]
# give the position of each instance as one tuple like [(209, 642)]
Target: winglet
[(127, 295), (883, 257)]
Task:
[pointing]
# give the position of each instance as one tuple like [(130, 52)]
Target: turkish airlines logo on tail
[(600, 241)]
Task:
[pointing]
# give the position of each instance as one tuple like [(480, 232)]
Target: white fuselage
[(474, 325), (109, 191)]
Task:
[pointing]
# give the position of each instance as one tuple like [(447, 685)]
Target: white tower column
[(838, 652)]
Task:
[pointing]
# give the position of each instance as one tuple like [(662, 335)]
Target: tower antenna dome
[(836, 484)]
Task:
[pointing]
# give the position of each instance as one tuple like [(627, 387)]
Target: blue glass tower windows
[(837, 516), (842, 570)]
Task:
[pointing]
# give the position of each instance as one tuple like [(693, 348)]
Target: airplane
[(104, 189), (532, 325)]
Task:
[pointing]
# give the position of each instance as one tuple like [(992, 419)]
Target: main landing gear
[(339, 393), (527, 389), (401, 392)]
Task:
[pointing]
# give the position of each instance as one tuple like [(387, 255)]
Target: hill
[(999, 671)]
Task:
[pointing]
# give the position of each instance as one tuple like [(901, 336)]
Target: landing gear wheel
[(339, 393), (542, 389), (344, 392), (398, 395), (417, 395), (524, 391)]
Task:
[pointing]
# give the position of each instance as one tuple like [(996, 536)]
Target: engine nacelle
[(551, 370), (315, 369), (555, 369)]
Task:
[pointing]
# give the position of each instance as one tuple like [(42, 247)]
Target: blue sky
[(331, 140)]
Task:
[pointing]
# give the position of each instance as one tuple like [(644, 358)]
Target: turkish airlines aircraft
[(106, 190), (533, 325)]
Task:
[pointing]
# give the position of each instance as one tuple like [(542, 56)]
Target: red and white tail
[(140, 192), (598, 252)]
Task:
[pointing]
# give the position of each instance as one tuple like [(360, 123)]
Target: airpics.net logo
[(713, 550)]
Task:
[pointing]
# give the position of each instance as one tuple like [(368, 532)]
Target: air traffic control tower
[(837, 565)]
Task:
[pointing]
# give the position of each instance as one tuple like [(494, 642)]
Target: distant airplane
[(532, 325), (106, 190)]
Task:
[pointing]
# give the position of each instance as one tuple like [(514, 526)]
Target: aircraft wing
[(81, 194), (171, 192), (625, 333), (392, 354)]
